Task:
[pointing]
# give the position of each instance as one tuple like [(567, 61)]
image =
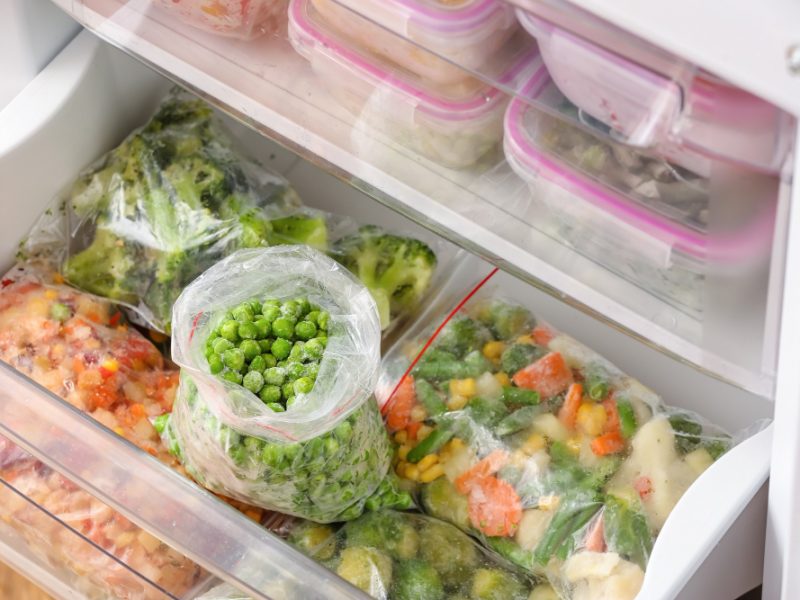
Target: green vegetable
[(441, 499), (396, 270), (448, 550), (440, 365), (416, 579), (435, 440), (570, 518), (462, 335), (688, 432), (385, 530), (519, 356), (311, 230), (486, 412), (368, 569), (626, 531), (429, 397), (496, 584), (627, 418), (512, 552), (505, 320), (520, 419), (520, 396), (60, 312), (313, 539), (596, 382)]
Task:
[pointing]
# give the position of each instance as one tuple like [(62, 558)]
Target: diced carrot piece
[(595, 537), (138, 410), (542, 335), (612, 415), (481, 470), (413, 429), (569, 410), (399, 410), (608, 443), (549, 376), (494, 507)]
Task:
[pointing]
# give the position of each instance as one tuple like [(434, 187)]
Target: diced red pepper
[(643, 486)]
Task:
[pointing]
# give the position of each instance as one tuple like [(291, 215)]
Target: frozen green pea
[(297, 352), (305, 330), (253, 381), (233, 359), (295, 370), (243, 312), (303, 385), (331, 445), (270, 313), (257, 363), (283, 328), (215, 364), (313, 316), (271, 455), (248, 330), (265, 345), (222, 344), (288, 390), (275, 376), (312, 370), (255, 306), (263, 327), (229, 330), (304, 304), (250, 349), (323, 339), (314, 349), (290, 401), (232, 376), (276, 407), (343, 430), (270, 394), (59, 311), (290, 308), (281, 348), (269, 361), (322, 319)]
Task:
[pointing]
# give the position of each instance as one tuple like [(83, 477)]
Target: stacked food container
[(228, 376)]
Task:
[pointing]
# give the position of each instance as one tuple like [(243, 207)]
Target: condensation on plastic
[(555, 496), (440, 42), (244, 19), (150, 216), (212, 415), (452, 125)]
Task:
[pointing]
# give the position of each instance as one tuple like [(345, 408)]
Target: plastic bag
[(326, 453), (155, 212), (245, 19), (524, 437)]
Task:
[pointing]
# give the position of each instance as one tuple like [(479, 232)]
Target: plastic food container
[(243, 19), (647, 219), (453, 126), (685, 116), (423, 36)]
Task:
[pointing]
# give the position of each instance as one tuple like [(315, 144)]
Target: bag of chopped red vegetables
[(538, 446)]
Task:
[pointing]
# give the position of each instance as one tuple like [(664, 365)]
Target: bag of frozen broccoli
[(279, 354), (538, 446), (167, 203)]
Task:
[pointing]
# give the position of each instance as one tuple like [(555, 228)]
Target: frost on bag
[(245, 19), (155, 212), (527, 439), (279, 354)]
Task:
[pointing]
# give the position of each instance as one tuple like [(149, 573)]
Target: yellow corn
[(51, 294), (463, 387), (574, 445), (424, 431), (418, 413), (502, 378), (400, 469), (412, 472), (432, 473), (591, 418), (493, 350), (549, 502), (427, 462), (525, 339), (401, 437), (111, 365), (403, 451), (456, 443), (533, 444), (457, 402), (119, 430)]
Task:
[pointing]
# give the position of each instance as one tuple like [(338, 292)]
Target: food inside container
[(550, 455), (454, 126), (639, 215), (687, 115), (438, 41), (244, 19)]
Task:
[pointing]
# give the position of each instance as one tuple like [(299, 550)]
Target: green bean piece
[(627, 418), (520, 396), (429, 397), (435, 440)]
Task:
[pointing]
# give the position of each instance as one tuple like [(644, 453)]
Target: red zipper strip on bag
[(436, 333)]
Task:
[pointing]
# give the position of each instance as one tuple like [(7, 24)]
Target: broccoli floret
[(311, 230), (386, 531), (368, 569), (104, 268), (506, 321), (441, 500), (315, 540), (462, 335), (448, 550), (519, 356), (416, 579), (496, 584), (397, 270)]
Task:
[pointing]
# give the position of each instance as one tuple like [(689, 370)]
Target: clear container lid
[(654, 197), (466, 101)]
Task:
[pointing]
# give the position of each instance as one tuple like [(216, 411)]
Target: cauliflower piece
[(603, 576), (532, 527)]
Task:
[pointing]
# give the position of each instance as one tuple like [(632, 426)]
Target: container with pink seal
[(244, 19), (659, 225), (454, 125)]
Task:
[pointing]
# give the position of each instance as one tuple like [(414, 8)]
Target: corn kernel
[(432, 473), (423, 432), (418, 413), (493, 350), (411, 472), (457, 402), (401, 468), (533, 444), (403, 451), (574, 445), (550, 502), (463, 387), (51, 294), (457, 443), (401, 437), (591, 418), (502, 378), (119, 430), (111, 365), (525, 339), (427, 462)]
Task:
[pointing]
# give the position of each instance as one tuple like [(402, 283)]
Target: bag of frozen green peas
[(279, 354)]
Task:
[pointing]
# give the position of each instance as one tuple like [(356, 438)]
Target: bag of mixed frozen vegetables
[(245, 19), (170, 201), (549, 454), (279, 355)]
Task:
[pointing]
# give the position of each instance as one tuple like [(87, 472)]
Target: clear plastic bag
[(554, 458), (244, 19), (327, 453), (150, 216)]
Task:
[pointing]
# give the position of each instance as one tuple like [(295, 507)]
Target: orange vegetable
[(494, 507), (612, 415), (595, 537), (569, 410), (484, 468), (608, 443), (542, 335), (644, 486), (413, 429), (399, 410), (549, 376)]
